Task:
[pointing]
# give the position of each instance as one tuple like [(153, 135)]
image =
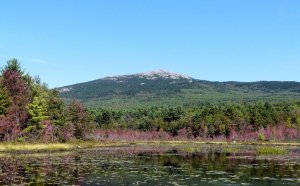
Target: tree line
[(207, 121), (29, 111)]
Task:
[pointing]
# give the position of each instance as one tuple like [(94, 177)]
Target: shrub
[(261, 137)]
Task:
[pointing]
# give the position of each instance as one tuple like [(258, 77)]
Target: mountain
[(157, 88)]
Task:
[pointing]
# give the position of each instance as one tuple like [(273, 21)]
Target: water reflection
[(140, 165)]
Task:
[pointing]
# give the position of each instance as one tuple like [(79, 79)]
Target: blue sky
[(71, 41)]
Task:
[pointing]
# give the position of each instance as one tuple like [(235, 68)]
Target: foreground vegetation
[(30, 112)]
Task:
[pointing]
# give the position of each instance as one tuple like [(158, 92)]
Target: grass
[(178, 142), (40, 147), (272, 151), (4, 147), (35, 154)]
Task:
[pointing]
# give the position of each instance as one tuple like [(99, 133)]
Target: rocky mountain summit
[(151, 75)]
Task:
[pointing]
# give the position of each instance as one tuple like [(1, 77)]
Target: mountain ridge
[(156, 72), (160, 87), (151, 75)]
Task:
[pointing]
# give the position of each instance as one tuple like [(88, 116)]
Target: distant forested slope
[(161, 88)]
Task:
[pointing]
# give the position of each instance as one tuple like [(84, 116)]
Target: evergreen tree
[(55, 108), (13, 65), (5, 101), (38, 108), (19, 94)]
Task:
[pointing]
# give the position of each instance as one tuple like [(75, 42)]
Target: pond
[(153, 165)]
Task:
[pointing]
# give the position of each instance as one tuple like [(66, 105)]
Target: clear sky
[(71, 41)]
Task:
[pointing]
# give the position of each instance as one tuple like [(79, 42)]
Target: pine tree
[(55, 108), (38, 108), (16, 90), (5, 102)]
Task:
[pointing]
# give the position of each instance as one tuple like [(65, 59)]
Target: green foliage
[(203, 121), (37, 109), (5, 101), (173, 114), (13, 65), (55, 108), (262, 115), (145, 124), (173, 127), (261, 137), (272, 151), (104, 118)]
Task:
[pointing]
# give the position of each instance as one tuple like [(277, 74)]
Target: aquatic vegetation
[(272, 150)]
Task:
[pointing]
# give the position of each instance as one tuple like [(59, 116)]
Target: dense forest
[(259, 121), (29, 111)]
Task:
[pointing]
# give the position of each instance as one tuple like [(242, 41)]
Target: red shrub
[(270, 133), (9, 129), (48, 133), (130, 135)]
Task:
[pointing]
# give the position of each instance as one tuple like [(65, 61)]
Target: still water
[(153, 165)]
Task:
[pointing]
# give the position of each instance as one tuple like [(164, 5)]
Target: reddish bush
[(130, 135), (270, 133), (248, 133), (9, 130), (185, 133), (49, 132), (280, 132), (66, 133)]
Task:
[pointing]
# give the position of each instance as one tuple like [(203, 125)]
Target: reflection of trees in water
[(10, 171), (42, 170), (129, 164), (245, 167)]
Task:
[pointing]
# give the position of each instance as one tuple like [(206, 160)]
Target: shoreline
[(44, 147)]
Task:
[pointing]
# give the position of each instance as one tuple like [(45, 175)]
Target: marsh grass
[(40, 147), (272, 151), (35, 155), (192, 146), (4, 147)]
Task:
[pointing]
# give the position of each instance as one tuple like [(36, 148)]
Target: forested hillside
[(161, 88)]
